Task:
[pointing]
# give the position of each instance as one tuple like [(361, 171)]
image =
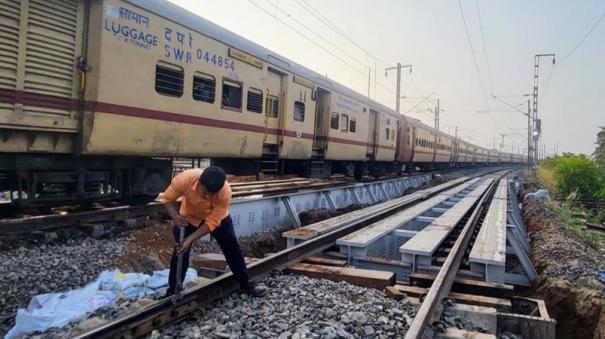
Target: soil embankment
[(568, 274)]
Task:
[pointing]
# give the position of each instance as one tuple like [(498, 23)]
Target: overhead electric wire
[(415, 86), (583, 39), (362, 73), (420, 102), (543, 93), (476, 64), (322, 18), (317, 34), (468, 36), (489, 71), (305, 5)]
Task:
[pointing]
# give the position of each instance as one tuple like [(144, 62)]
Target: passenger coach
[(96, 97)]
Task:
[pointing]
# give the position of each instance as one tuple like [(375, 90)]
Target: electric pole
[(528, 136), (537, 122), (437, 116), (398, 68), (502, 142)]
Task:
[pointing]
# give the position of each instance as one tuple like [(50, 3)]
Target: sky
[(344, 39)]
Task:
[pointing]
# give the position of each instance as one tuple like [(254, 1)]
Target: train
[(97, 97)]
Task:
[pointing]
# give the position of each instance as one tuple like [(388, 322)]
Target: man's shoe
[(255, 290)]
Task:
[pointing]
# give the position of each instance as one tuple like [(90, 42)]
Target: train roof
[(197, 23)]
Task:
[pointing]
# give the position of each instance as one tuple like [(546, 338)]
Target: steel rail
[(432, 307), (53, 221), (164, 312)]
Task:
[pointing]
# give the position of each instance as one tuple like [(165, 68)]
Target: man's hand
[(200, 232), (172, 209), (179, 220), (185, 247)]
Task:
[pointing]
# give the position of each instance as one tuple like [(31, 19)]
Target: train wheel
[(359, 171)]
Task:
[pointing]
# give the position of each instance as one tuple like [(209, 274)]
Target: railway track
[(63, 217), (75, 215), (432, 306), (164, 312)]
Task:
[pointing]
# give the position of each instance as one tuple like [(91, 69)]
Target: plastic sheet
[(539, 194), (50, 310)]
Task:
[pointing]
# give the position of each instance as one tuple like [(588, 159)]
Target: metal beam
[(431, 307), (291, 211)]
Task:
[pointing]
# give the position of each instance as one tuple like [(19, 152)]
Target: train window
[(352, 125), (393, 136), (255, 100), (299, 111), (344, 122), (388, 121), (204, 86), (273, 106), (169, 79), (386, 133), (334, 121), (232, 95), (409, 138)]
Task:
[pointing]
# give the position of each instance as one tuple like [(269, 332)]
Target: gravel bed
[(33, 269), (300, 307), (559, 253), (568, 271)]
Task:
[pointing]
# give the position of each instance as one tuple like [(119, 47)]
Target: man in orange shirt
[(204, 209)]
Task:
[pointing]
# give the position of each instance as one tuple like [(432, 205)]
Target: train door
[(399, 145), (404, 142), (373, 133), (434, 146), (274, 111), (322, 113), (413, 143)]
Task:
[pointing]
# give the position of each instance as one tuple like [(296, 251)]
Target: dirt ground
[(151, 248), (568, 273)]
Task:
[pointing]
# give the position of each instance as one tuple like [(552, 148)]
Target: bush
[(576, 173)]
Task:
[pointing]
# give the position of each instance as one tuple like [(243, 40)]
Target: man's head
[(212, 180)]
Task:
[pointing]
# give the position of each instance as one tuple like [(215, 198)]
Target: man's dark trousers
[(226, 239)]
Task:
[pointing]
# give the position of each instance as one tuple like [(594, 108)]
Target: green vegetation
[(573, 174), (574, 217), (571, 180)]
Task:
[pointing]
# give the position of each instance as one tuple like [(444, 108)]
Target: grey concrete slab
[(373, 232), (428, 239), (490, 245)]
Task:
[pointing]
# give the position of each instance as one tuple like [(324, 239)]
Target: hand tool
[(179, 267)]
